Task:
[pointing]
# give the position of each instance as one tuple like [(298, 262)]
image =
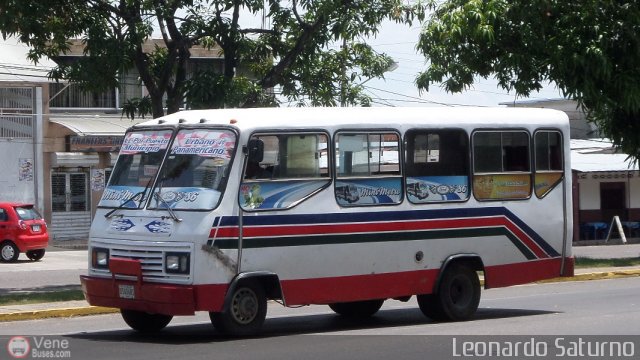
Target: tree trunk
[(157, 108)]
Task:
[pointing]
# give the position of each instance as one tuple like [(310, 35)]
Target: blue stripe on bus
[(386, 216)]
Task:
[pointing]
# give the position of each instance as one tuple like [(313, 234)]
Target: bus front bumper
[(153, 298)]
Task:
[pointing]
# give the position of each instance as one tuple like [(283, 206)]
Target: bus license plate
[(126, 291)]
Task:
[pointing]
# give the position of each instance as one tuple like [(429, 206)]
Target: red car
[(22, 229)]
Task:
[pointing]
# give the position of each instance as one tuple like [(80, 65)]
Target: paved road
[(607, 307), (57, 270)]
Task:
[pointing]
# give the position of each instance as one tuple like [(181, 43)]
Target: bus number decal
[(426, 189)]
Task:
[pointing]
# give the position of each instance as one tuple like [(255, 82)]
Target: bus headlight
[(177, 263), (100, 258)]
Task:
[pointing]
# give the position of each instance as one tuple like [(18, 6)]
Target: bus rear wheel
[(145, 322), (357, 309), (457, 296), (244, 312)]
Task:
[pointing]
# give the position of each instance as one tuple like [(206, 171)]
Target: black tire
[(456, 298), (9, 252), (35, 255), (145, 322), (357, 309), (244, 311)]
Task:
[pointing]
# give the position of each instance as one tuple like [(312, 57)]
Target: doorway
[(70, 206)]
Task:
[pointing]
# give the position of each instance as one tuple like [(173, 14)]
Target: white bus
[(223, 210)]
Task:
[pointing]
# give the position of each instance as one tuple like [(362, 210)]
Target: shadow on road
[(292, 325)]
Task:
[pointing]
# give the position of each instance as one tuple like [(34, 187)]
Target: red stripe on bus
[(305, 229), (527, 240)]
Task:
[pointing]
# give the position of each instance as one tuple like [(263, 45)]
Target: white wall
[(634, 192), (589, 194), (11, 187)]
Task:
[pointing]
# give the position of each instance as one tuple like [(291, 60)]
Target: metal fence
[(16, 112)]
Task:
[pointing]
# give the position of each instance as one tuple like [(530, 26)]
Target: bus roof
[(360, 117)]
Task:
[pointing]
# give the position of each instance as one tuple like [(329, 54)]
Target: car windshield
[(27, 213)]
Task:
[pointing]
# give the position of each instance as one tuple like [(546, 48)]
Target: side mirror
[(255, 150)]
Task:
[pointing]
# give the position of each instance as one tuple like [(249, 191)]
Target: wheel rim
[(460, 291), (244, 306), (7, 252)]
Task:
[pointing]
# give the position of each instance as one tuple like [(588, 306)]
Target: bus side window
[(437, 168), (292, 168), (501, 165), (368, 168)]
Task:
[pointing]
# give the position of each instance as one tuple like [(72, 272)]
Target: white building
[(58, 143), (605, 183)]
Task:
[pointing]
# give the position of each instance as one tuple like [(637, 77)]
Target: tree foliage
[(590, 49), (313, 50)]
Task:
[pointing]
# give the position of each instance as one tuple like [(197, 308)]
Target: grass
[(44, 297), (584, 262)]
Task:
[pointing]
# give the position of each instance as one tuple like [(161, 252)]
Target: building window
[(73, 96)]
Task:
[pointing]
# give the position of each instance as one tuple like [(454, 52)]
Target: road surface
[(568, 310)]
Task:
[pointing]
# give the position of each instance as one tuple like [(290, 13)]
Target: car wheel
[(9, 252), (35, 255)]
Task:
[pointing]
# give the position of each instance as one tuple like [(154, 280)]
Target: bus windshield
[(191, 178), (194, 174), (138, 163)]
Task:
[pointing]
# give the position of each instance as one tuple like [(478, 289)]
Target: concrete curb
[(98, 310), (596, 276), (56, 313)]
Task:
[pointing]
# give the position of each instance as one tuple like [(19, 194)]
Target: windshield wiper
[(158, 197), (131, 198)]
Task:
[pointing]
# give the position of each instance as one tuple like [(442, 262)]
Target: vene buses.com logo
[(18, 347)]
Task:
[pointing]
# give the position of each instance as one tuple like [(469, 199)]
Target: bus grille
[(151, 257)]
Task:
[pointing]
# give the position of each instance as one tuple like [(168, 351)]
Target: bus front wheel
[(145, 322), (245, 310), (457, 295), (357, 309)]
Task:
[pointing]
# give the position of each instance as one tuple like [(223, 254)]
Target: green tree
[(589, 48), (297, 52)]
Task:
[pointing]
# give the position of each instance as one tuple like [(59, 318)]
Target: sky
[(399, 89)]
